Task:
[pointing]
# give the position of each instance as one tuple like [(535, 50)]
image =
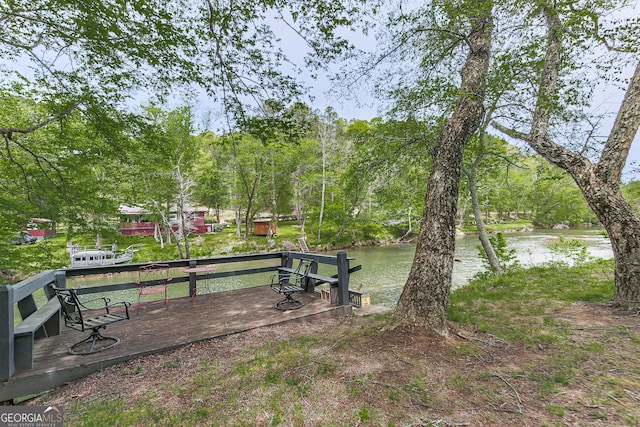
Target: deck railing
[(21, 295)]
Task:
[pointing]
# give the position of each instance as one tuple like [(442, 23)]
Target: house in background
[(197, 220), (134, 220), (41, 228)]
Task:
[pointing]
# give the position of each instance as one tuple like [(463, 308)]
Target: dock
[(157, 329)]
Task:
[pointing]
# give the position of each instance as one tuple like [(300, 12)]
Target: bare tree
[(326, 135)]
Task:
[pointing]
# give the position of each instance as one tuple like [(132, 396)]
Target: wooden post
[(343, 278), (311, 283), (287, 260), (52, 326), (193, 286), (7, 362), (61, 282)]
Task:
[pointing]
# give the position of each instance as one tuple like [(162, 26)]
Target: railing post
[(343, 278), (52, 326), (61, 282), (311, 283), (287, 260), (193, 286), (7, 361)]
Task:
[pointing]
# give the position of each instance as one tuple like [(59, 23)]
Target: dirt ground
[(412, 378)]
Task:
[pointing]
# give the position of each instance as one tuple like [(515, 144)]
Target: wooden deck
[(157, 329)]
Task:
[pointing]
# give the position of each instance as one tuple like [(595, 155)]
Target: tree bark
[(324, 186), (483, 236), (425, 296), (622, 223), (599, 182)]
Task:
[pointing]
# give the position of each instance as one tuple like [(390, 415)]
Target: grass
[(516, 305), (540, 347)]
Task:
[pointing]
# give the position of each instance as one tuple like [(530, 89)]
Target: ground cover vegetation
[(528, 347)]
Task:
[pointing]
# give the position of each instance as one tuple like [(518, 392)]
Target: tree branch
[(9, 131), (548, 77), (538, 138)]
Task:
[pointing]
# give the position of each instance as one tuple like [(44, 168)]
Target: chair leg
[(166, 301), (208, 294), (93, 343), (289, 303)]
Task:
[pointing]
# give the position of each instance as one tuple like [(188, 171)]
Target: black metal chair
[(80, 317), (281, 283)]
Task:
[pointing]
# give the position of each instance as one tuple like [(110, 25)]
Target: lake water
[(385, 268)]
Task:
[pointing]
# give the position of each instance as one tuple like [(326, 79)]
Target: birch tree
[(326, 128)]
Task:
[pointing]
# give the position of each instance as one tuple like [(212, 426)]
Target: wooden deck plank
[(156, 329)]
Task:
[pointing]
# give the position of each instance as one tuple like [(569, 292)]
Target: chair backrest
[(153, 274), (71, 308), (302, 271)]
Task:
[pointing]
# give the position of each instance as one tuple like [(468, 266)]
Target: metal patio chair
[(77, 315), (281, 283)]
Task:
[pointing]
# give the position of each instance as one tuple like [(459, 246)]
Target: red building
[(198, 225), (41, 228), (135, 220)]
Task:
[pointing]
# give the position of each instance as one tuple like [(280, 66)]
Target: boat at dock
[(89, 256)]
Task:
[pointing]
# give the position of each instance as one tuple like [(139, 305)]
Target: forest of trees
[(372, 171)]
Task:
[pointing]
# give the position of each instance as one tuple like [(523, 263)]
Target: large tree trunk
[(599, 182), (425, 296), (622, 223)]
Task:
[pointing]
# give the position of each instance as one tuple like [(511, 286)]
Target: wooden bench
[(331, 296), (44, 322), (320, 279)]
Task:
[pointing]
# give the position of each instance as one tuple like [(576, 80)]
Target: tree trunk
[(250, 191), (238, 222), (494, 263), (622, 223), (274, 200), (324, 186), (425, 297), (600, 182)]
